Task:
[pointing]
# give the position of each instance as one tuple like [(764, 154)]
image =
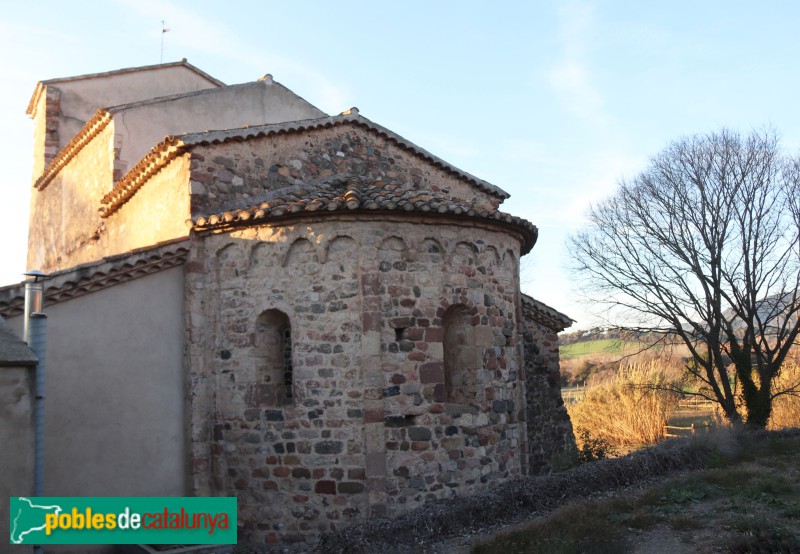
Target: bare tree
[(703, 247)]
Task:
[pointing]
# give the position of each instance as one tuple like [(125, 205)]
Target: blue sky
[(552, 101)]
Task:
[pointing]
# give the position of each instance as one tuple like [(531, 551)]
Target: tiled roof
[(350, 194), (91, 129), (172, 146), (544, 314), (41, 84), (83, 279), (132, 181)]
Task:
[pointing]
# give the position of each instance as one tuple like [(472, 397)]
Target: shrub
[(629, 409), (586, 449)]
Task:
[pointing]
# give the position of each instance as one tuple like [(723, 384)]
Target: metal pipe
[(34, 291), (35, 334), (38, 344)]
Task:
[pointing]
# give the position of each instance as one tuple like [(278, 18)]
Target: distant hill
[(597, 346)]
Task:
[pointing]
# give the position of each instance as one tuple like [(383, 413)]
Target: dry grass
[(786, 408), (629, 409)]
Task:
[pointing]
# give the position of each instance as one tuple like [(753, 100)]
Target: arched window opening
[(460, 356), (273, 352)]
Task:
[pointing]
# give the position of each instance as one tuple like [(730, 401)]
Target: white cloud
[(571, 78)]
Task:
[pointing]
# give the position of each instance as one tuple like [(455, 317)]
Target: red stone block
[(356, 474), (325, 487), (370, 284), (373, 416), (420, 445), (371, 321), (199, 464), (282, 471), (431, 372), (400, 322), (434, 334), (195, 267)]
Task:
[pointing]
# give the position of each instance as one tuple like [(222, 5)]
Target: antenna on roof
[(164, 31)]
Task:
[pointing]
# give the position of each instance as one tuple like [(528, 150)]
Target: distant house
[(308, 312)]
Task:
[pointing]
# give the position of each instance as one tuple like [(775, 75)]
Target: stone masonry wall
[(235, 175), (368, 429), (549, 426)]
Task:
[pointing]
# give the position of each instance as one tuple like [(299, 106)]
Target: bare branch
[(704, 247)]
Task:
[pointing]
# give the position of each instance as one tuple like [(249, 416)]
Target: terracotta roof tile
[(91, 129), (132, 181), (83, 279), (544, 314), (350, 194)]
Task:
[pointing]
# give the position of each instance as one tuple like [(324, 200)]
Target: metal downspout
[(35, 334)]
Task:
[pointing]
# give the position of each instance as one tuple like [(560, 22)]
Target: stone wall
[(549, 426), (368, 429), (237, 175)]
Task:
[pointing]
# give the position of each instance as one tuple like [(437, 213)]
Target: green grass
[(591, 347)]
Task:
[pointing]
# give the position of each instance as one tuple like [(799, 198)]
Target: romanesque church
[(249, 297)]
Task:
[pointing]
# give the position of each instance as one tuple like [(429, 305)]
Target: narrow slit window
[(273, 354), (460, 368)]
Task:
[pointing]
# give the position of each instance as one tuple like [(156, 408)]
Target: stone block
[(419, 433), (350, 487), (431, 372), (325, 487)]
